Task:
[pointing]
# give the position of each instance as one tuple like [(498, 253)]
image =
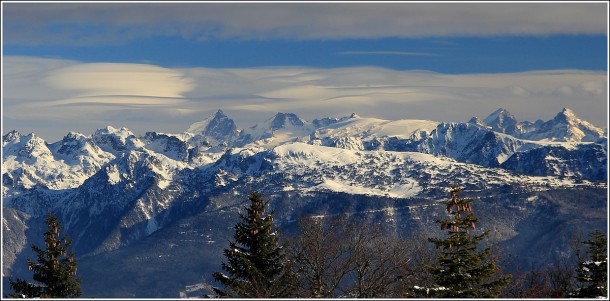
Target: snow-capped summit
[(78, 149), (25, 147), (72, 143), (217, 127), (501, 121), (285, 120), (568, 116), (172, 146), (283, 127), (9, 137), (29, 161), (114, 140), (477, 121), (566, 126)]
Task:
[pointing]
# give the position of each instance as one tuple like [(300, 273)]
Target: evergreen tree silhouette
[(463, 271), (55, 271), (256, 264)]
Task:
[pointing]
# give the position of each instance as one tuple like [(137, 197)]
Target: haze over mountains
[(168, 201)]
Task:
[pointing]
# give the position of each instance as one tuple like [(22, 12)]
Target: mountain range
[(160, 207)]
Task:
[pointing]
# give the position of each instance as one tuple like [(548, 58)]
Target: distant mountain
[(175, 147), (115, 141), (502, 121), (78, 149), (281, 128), (218, 128), (565, 127), (26, 148), (167, 202), (470, 143), (28, 161)]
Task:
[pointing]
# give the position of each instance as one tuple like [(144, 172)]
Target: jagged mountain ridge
[(218, 128), (29, 160), (141, 185), (565, 127)]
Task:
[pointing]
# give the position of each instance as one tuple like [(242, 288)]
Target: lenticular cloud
[(111, 79)]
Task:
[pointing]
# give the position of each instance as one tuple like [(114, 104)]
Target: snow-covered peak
[(477, 121), (567, 126), (281, 128), (25, 147), (284, 120), (76, 136), (123, 132), (218, 127), (78, 149), (72, 141), (10, 137), (495, 115), (568, 112), (172, 146), (114, 140), (501, 121), (567, 116)]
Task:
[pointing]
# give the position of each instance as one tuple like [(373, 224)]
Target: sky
[(161, 66)]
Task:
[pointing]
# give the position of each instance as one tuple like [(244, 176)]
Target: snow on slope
[(566, 126), (281, 128), (372, 127), (218, 128), (28, 161), (114, 140), (395, 191), (301, 151), (305, 167), (382, 173), (318, 168)]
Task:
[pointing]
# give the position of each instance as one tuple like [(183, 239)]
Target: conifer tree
[(55, 270), (463, 271), (593, 273), (256, 263)]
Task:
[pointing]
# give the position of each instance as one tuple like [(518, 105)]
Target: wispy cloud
[(405, 53), (96, 23), (149, 97)]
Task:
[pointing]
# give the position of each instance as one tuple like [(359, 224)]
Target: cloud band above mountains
[(51, 97)]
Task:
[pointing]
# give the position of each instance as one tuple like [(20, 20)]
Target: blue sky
[(446, 55), (530, 58)]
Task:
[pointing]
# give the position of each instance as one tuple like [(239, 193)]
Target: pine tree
[(256, 263), (593, 273), (463, 271), (55, 270)]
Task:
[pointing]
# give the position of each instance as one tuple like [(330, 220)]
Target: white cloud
[(87, 23), (168, 100), (596, 87), (119, 79)]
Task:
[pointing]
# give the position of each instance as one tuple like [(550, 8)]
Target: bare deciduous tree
[(320, 256), (335, 257)]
